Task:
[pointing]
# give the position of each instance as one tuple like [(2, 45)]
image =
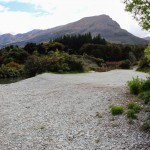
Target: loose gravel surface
[(69, 112)]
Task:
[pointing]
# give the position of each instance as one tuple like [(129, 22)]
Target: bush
[(55, 62), (101, 69), (135, 85), (131, 114), (125, 64), (145, 86), (144, 65), (14, 65), (134, 107), (146, 124), (32, 66), (145, 96), (8, 72), (74, 63), (117, 110), (15, 54)]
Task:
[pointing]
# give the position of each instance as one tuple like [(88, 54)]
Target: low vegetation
[(125, 64), (131, 114), (142, 89), (134, 106), (145, 96), (117, 110), (135, 85), (70, 53), (146, 124), (55, 62), (144, 65)]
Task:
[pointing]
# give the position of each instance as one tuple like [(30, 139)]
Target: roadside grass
[(140, 88), (117, 110)]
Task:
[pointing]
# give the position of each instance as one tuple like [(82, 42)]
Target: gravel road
[(69, 112)]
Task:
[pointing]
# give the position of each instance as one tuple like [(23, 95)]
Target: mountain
[(102, 24), (147, 38), (7, 39)]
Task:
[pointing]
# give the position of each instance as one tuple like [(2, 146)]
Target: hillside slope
[(102, 24)]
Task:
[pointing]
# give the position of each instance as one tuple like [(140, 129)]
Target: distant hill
[(147, 38), (103, 25)]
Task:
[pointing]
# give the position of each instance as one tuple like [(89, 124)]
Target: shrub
[(101, 69), (75, 64), (32, 66), (131, 114), (145, 86), (134, 107), (55, 62), (7, 72), (53, 46), (13, 53), (14, 65), (117, 110), (146, 124), (145, 96), (144, 65), (125, 64), (98, 61), (134, 85)]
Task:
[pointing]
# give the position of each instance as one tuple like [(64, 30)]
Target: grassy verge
[(140, 88)]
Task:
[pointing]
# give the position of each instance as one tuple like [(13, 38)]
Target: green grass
[(134, 85), (145, 96), (131, 114), (134, 106), (117, 110)]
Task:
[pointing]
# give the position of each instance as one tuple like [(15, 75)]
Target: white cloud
[(3, 8), (60, 12)]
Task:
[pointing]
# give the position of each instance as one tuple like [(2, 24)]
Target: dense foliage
[(76, 41), (55, 62), (140, 10), (70, 53), (99, 47), (147, 52)]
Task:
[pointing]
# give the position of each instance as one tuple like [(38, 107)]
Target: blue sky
[(17, 6), (20, 16)]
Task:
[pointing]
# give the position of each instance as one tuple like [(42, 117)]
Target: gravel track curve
[(59, 112)]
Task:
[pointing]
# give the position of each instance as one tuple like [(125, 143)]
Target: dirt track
[(59, 112)]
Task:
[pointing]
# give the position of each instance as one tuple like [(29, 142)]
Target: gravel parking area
[(69, 112)]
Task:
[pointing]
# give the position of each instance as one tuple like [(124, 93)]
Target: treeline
[(86, 44), (76, 41), (98, 47), (70, 53)]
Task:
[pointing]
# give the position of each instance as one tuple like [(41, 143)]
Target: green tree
[(140, 10), (30, 47), (147, 52)]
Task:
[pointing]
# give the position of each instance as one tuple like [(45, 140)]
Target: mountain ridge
[(102, 24), (147, 38)]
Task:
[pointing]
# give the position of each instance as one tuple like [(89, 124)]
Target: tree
[(147, 52), (30, 47), (140, 10)]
